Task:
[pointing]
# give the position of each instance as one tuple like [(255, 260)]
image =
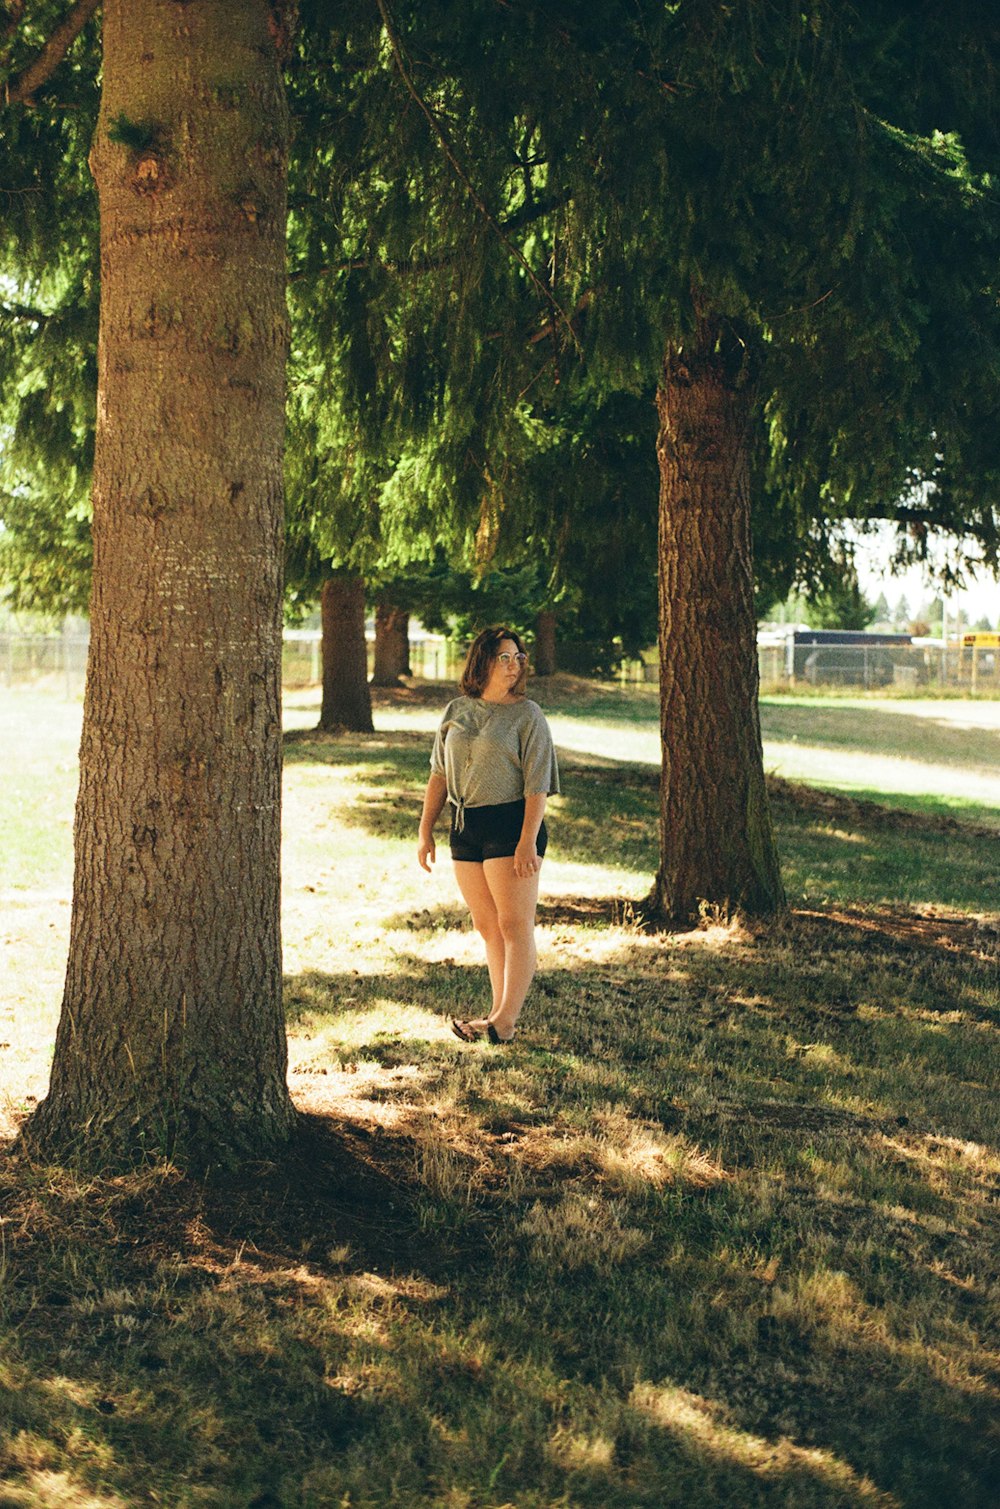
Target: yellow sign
[(982, 640)]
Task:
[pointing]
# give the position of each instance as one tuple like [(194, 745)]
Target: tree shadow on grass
[(405, 753), (676, 1246), (852, 1013), (607, 814), (758, 1060), (214, 1343), (839, 849), (208, 1338), (834, 848), (552, 911)]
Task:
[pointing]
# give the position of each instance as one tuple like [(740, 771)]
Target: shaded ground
[(720, 1228)]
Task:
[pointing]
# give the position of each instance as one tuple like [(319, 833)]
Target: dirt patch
[(978, 936), (587, 911), (415, 694)]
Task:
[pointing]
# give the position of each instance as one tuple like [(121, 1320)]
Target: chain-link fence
[(432, 657), (877, 663), (59, 661)]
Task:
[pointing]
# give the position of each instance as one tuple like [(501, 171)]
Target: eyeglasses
[(505, 657)]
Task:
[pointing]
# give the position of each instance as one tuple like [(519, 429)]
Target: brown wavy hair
[(483, 652)]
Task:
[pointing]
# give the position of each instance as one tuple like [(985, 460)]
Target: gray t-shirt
[(492, 752)]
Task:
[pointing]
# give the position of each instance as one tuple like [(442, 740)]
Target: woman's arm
[(526, 860), (434, 799)]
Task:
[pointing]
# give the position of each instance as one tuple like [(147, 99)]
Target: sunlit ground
[(719, 1229), (946, 749)]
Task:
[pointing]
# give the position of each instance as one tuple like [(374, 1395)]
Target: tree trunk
[(392, 645), (171, 1039), (716, 839), (347, 700), (545, 644)]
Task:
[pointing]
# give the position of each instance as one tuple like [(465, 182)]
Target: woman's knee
[(488, 928), (516, 928)]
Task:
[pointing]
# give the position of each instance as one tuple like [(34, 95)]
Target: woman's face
[(504, 673)]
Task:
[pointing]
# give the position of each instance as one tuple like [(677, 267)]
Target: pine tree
[(171, 1036), (840, 603), (347, 702), (392, 641), (798, 258), (48, 305), (782, 218)]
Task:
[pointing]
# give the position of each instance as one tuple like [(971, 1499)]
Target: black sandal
[(463, 1031), (494, 1036)]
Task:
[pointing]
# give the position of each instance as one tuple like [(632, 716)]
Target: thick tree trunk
[(171, 1038), (347, 700), (545, 644), (392, 645), (716, 840)]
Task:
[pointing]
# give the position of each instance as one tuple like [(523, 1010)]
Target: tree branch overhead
[(19, 91)]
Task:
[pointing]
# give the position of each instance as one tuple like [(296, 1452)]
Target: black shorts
[(492, 833)]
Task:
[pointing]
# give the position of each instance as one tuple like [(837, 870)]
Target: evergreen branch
[(530, 384), (15, 14), (22, 312), (12, 24), (932, 518), (477, 199), (357, 264), (20, 90), (523, 216), (802, 308), (529, 213), (581, 304)]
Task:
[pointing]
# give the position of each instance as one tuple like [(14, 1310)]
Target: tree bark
[(392, 645), (347, 700), (545, 644), (716, 840), (171, 1039)]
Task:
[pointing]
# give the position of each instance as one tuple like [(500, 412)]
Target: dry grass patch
[(719, 1227), (701, 1424)]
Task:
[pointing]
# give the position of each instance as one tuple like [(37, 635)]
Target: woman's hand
[(426, 853), (526, 860), (434, 799)]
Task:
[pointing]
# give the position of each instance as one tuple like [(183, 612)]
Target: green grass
[(39, 735), (933, 733), (719, 1229)]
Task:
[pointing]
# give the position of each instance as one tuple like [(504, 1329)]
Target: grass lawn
[(719, 1229)]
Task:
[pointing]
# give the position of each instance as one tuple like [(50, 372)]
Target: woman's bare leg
[(479, 899), (515, 899)]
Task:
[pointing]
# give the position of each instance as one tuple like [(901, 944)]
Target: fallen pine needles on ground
[(718, 1229)]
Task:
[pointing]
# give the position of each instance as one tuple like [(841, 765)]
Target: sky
[(980, 599)]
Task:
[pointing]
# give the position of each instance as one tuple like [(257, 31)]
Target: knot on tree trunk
[(151, 174)]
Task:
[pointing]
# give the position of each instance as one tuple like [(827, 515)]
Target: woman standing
[(494, 763)]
